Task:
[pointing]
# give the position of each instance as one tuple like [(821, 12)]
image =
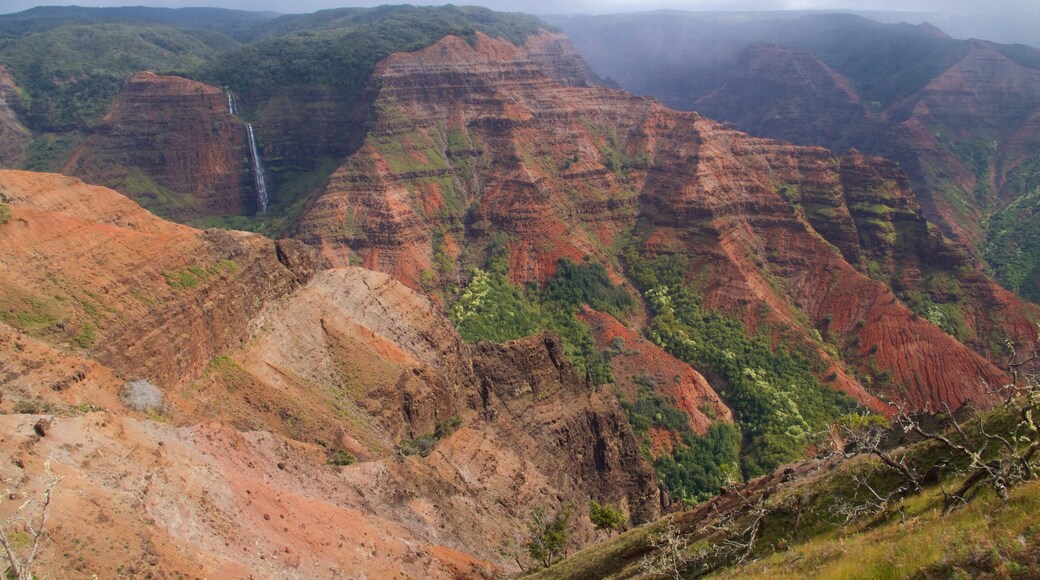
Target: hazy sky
[(583, 6)]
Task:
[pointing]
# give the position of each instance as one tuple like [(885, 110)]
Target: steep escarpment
[(934, 276), (760, 246), (173, 145), (448, 126), (475, 144), (14, 136), (219, 388)]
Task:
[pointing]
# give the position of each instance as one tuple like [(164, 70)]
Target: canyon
[(224, 403)]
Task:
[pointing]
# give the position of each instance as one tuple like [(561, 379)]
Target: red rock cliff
[(474, 139), (173, 145)]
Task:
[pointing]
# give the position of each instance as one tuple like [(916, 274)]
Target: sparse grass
[(228, 372), (190, 277), (86, 336), (31, 313), (807, 532)]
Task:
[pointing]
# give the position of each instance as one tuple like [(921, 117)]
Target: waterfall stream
[(255, 163), (259, 178)]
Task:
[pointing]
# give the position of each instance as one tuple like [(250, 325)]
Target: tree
[(547, 535), (606, 517), (21, 533)]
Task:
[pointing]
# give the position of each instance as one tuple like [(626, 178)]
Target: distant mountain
[(959, 116), (240, 24)]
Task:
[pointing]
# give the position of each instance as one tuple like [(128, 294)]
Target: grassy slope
[(981, 538), (803, 534)]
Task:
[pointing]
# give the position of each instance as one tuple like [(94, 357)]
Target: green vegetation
[(5, 213), (492, 308), (191, 277), (699, 466), (953, 501), (1012, 246), (606, 517), (86, 336), (341, 459), (339, 49), (294, 186), (423, 445), (72, 73), (32, 313), (547, 535), (70, 63), (577, 284), (777, 401), (988, 539), (227, 372)]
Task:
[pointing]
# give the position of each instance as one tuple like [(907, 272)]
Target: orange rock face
[(99, 261), (180, 135)]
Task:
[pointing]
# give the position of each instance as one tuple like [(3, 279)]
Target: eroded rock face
[(457, 124), (966, 137), (474, 140), (177, 134), (580, 435), (981, 112), (159, 299), (14, 136)]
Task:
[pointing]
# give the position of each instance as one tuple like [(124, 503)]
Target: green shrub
[(606, 517), (5, 213), (577, 284), (547, 535), (341, 458), (422, 445), (447, 426), (491, 308)]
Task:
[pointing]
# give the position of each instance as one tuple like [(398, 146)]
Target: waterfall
[(256, 164), (258, 171)]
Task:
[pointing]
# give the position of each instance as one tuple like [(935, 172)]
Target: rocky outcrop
[(580, 436), (173, 145), (14, 137)]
